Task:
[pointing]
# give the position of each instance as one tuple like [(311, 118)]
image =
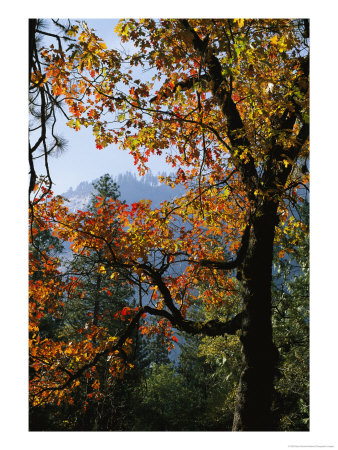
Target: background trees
[(228, 103), (198, 391)]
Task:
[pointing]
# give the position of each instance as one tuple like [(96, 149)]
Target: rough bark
[(255, 392)]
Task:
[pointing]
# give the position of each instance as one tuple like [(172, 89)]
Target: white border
[(14, 32)]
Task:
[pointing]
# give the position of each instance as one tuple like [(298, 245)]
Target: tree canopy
[(227, 102)]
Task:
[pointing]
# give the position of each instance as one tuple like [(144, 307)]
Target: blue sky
[(82, 161)]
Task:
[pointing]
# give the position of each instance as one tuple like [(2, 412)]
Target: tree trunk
[(31, 39), (255, 392)]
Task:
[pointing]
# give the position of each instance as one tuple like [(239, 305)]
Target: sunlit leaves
[(231, 164), (53, 362), (240, 22)]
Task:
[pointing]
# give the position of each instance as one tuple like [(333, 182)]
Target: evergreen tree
[(291, 329), (101, 297)]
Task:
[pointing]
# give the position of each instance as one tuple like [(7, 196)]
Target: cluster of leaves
[(72, 315), (259, 58)]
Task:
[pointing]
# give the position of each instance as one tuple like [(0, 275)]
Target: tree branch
[(222, 95), (184, 85), (208, 328)]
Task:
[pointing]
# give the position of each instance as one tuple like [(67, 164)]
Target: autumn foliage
[(227, 103)]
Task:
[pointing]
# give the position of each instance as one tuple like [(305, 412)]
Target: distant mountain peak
[(131, 187)]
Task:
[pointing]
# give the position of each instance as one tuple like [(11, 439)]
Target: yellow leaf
[(274, 40), (101, 269), (240, 22)]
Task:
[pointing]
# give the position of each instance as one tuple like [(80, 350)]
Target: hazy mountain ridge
[(131, 187)]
